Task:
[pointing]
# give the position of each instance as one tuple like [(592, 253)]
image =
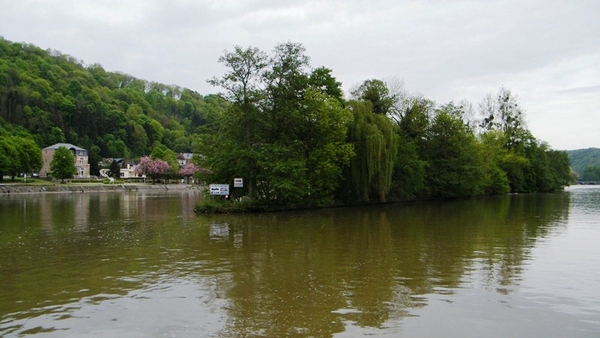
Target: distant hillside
[(57, 98), (582, 158)]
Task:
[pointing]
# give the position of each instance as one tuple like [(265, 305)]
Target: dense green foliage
[(284, 134), (375, 143), (63, 164), (591, 174), (582, 158), (454, 163), (285, 131), (18, 153), (59, 99)]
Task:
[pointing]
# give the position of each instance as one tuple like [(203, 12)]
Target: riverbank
[(80, 188)]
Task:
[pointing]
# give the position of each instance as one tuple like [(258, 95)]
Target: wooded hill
[(586, 162), (57, 98)]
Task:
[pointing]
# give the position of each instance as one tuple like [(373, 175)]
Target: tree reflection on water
[(310, 273)]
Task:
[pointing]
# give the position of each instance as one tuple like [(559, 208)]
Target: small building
[(127, 167), (184, 159), (130, 171), (80, 154)]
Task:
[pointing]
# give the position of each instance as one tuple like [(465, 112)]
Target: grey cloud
[(444, 49)]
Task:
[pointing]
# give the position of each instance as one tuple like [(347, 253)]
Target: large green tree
[(454, 166), (503, 112), (414, 120), (307, 167), (244, 85), (529, 164), (378, 93), (408, 178), (375, 140), (284, 132), (30, 155), (9, 157), (19, 154), (494, 156), (62, 165)]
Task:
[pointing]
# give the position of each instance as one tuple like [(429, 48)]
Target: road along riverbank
[(80, 188)]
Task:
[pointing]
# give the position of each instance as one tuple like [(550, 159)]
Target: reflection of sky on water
[(170, 307), (574, 254), (555, 294)]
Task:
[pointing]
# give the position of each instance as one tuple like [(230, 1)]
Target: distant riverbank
[(80, 188)]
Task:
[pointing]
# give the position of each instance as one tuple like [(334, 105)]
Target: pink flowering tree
[(190, 170), (152, 168)]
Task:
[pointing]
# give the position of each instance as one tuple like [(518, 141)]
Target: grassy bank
[(219, 205)]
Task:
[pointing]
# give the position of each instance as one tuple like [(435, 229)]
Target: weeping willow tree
[(375, 142)]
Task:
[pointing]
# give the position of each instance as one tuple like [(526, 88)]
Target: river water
[(142, 264)]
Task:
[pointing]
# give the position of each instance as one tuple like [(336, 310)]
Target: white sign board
[(219, 189), (238, 182)]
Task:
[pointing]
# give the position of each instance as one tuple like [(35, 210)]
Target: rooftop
[(66, 145)]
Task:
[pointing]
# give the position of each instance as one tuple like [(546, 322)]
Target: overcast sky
[(547, 52)]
